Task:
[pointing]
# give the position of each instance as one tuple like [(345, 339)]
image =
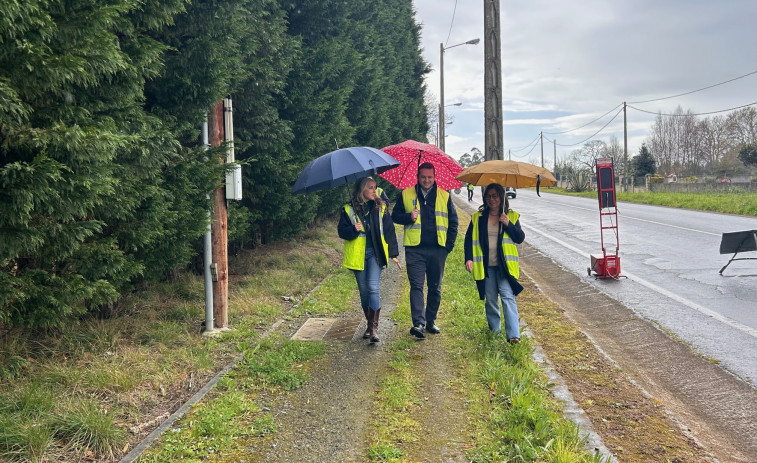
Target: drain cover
[(343, 329), (318, 329)]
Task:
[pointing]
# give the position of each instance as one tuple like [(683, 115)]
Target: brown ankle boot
[(374, 325), (368, 320)]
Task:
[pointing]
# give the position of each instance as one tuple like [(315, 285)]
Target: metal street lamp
[(437, 122), (441, 87)]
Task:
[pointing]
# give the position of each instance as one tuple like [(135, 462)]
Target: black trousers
[(426, 263), (470, 195)]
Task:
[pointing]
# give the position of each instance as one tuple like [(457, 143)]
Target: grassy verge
[(733, 202), (514, 414), (217, 427), (91, 391), (636, 428)]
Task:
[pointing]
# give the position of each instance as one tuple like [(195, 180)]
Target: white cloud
[(566, 63)]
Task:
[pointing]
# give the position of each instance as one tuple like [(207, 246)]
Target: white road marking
[(692, 305), (636, 218)]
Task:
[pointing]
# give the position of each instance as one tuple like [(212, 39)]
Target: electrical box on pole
[(234, 175), (607, 264)]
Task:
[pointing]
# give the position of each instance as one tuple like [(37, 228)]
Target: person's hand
[(504, 219), (396, 261), (414, 214), (359, 226), (469, 265)]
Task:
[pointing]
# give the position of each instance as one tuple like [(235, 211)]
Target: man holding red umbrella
[(430, 221)]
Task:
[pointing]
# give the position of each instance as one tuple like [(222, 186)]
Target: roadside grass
[(633, 426), (734, 201), (217, 427), (514, 414), (86, 392)]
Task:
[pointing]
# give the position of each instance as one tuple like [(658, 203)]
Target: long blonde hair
[(358, 199)]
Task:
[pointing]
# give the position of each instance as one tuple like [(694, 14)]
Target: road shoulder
[(710, 405)]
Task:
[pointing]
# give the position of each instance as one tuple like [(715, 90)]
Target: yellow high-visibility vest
[(413, 231), (354, 250), (509, 249)]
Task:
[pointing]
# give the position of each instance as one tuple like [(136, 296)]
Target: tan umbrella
[(507, 173)]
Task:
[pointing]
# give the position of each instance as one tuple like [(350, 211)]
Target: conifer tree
[(79, 158)]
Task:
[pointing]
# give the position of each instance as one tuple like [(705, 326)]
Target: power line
[(694, 91), (588, 123), (640, 110), (524, 147), (529, 151), (595, 133), (446, 42), (697, 114)]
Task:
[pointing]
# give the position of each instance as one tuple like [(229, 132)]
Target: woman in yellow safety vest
[(369, 243), (491, 255)]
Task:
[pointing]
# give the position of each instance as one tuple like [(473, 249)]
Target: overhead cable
[(697, 114), (446, 42), (595, 133), (693, 91), (529, 151), (524, 147), (588, 123)]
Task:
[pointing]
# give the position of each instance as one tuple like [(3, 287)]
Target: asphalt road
[(671, 260)]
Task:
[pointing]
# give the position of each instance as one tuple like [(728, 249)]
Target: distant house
[(672, 178)]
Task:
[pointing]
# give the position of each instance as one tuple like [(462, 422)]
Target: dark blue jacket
[(428, 218)]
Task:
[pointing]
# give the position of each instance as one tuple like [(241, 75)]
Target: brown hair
[(426, 165), (502, 198)]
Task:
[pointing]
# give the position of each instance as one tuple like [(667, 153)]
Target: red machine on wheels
[(607, 264)]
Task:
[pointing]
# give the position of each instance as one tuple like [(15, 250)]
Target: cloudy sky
[(565, 64)]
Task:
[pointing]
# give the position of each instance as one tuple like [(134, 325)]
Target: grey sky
[(566, 63)]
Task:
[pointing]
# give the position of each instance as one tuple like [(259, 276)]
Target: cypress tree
[(79, 159)]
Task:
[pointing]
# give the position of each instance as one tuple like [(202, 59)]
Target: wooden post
[(219, 228)]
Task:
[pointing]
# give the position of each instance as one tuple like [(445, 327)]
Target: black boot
[(374, 325), (368, 320)]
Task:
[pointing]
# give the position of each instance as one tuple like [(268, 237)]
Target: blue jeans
[(368, 281), (497, 287)]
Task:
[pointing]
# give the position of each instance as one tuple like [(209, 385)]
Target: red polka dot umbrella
[(411, 154)]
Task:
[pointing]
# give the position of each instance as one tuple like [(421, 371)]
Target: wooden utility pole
[(541, 138), (554, 144), (493, 137), (219, 228)]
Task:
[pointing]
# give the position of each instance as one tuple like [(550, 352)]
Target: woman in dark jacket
[(491, 255), (369, 242)]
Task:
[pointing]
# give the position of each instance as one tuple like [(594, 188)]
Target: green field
[(733, 202)]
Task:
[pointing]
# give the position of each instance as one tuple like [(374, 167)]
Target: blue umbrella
[(341, 167)]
